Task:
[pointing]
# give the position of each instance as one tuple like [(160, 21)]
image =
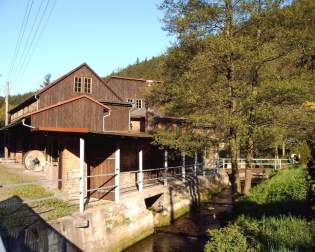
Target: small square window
[(88, 85), (138, 103), (77, 84)]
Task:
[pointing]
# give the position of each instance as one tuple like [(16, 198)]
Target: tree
[(234, 68), (46, 80)]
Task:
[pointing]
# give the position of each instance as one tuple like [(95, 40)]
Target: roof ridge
[(67, 101)]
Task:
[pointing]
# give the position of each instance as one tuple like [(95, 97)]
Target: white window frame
[(87, 78), (75, 84), (139, 102)]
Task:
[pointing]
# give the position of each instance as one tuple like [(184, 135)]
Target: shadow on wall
[(192, 186), (22, 229)]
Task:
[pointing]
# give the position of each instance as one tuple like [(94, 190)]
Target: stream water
[(188, 233)]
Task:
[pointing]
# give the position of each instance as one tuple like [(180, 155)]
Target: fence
[(275, 163), (142, 178)]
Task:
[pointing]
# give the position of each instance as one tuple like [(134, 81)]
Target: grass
[(274, 217), (15, 215)]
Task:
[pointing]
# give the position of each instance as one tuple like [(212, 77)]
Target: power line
[(29, 39), (38, 38), (21, 34)]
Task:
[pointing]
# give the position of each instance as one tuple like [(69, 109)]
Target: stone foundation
[(114, 227)]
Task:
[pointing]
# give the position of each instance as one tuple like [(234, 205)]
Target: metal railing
[(275, 163)]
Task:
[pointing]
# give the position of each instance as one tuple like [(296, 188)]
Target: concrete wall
[(112, 226)]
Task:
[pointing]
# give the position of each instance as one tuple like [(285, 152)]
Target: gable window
[(138, 103), (88, 85), (77, 85)]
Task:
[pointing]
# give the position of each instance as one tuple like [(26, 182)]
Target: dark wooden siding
[(83, 113), (101, 160), (64, 90), (128, 88), (118, 120)]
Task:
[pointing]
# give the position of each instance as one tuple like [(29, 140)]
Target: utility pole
[(6, 140), (7, 103)]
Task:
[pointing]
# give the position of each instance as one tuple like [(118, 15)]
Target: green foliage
[(283, 233), (242, 67), (228, 239), (13, 101), (146, 69), (17, 216), (304, 150), (266, 221), (46, 80), (286, 185)]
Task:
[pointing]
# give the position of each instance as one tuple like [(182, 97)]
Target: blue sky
[(106, 34)]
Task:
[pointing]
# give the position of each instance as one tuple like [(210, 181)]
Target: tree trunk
[(235, 178), (276, 152), (249, 165), (283, 150)]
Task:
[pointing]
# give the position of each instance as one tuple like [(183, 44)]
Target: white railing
[(275, 163)]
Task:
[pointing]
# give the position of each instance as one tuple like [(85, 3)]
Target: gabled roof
[(33, 98), (68, 101), (57, 105), (107, 79)]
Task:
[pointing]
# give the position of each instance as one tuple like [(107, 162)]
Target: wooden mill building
[(107, 116)]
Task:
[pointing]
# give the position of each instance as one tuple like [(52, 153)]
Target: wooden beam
[(140, 180), (82, 150), (75, 130), (117, 173)]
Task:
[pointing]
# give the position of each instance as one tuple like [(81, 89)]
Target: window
[(138, 103), (88, 85), (132, 101), (77, 84)]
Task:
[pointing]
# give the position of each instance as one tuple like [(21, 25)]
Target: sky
[(62, 34)]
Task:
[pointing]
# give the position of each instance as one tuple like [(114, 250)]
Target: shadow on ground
[(22, 229)]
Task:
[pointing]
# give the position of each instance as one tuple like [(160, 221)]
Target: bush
[(284, 233), (228, 239), (286, 185), (284, 193), (262, 225)]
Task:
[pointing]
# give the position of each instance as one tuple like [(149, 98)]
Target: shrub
[(228, 239), (286, 185), (284, 233), (286, 192), (262, 225)]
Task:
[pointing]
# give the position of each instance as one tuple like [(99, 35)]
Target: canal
[(190, 232)]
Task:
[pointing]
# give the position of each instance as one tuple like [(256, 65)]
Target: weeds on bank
[(274, 217), (15, 215)]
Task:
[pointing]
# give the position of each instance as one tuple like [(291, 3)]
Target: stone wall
[(114, 227)]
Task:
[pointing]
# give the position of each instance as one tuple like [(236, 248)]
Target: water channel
[(188, 233)]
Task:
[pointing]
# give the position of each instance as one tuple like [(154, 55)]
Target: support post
[(140, 179), (280, 164), (196, 163), (183, 167), (6, 144), (223, 163), (117, 173), (275, 164), (82, 191), (165, 167)]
